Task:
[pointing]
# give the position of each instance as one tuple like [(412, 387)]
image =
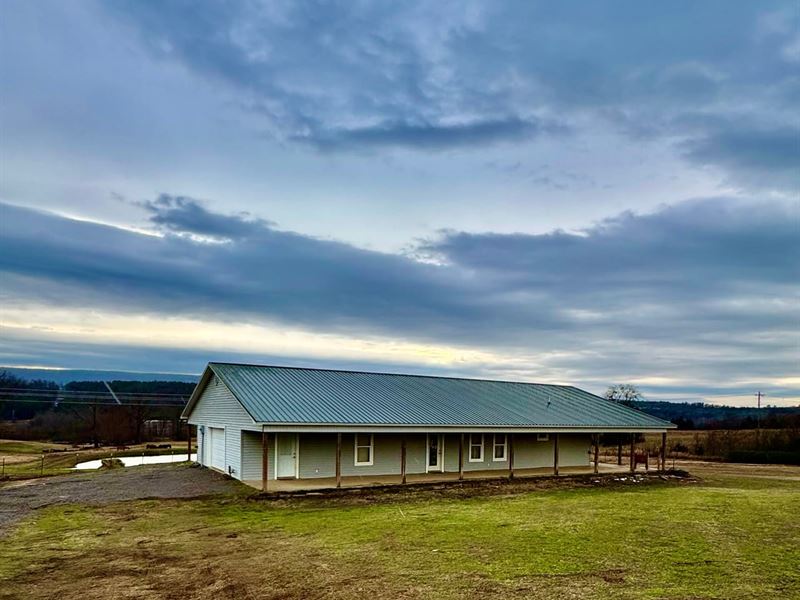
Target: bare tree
[(624, 393)]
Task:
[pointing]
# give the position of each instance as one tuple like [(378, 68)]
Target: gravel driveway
[(19, 498)]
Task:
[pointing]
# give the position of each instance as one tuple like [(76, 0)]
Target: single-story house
[(288, 428)]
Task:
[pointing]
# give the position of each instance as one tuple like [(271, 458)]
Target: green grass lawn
[(726, 537), (26, 447)]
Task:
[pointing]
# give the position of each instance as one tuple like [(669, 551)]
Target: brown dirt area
[(19, 498)]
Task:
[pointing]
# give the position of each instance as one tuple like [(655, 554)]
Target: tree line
[(84, 412)]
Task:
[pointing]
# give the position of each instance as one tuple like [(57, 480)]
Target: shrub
[(680, 447)]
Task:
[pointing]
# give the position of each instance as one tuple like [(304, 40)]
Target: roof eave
[(458, 428)]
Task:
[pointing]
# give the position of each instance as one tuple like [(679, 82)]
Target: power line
[(90, 402), (60, 391)]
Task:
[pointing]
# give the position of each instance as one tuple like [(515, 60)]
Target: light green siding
[(386, 456), (251, 456), (217, 407), (573, 450), (317, 455), (531, 454), (416, 452)]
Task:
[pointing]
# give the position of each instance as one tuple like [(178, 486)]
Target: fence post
[(41, 466), (4, 467)]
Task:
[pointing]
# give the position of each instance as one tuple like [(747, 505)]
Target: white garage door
[(217, 446)]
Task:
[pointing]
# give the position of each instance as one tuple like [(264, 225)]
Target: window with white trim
[(365, 445), (499, 447), (542, 437), (475, 447)]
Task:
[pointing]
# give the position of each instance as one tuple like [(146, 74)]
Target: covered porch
[(291, 461)]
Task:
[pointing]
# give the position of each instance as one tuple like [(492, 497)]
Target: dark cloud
[(769, 158), (266, 273), (181, 214), (430, 136), (707, 284), (341, 77), (713, 244)]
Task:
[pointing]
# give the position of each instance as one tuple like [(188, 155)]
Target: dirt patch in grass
[(18, 499), (203, 562)]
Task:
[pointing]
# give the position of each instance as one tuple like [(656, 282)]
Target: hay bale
[(111, 463)]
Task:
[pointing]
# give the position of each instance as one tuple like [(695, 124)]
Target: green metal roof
[(278, 395)]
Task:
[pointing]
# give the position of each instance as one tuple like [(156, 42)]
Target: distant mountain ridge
[(62, 376), (698, 415)]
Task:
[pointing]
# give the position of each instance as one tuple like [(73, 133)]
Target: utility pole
[(110, 391)]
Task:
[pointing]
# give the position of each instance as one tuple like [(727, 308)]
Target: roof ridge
[(329, 370)]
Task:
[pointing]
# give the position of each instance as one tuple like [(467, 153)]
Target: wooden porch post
[(403, 458), (188, 441), (555, 454), (633, 449), (596, 452), (338, 460), (619, 451), (664, 451), (264, 460), (461, 458), (511, 456)]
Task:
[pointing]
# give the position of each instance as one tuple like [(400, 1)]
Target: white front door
[(216, 436), (435, 452), (286, 454)]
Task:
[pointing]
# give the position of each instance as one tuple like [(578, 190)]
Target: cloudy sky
[(585, 193)]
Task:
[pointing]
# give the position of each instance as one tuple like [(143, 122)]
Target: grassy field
[(25, 459), (734, 534)]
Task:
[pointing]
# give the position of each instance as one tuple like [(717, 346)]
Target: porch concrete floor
[(323, 483)]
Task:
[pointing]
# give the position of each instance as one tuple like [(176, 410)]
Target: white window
[(364, 449), (500, 445), (475, 447), (542, 437)]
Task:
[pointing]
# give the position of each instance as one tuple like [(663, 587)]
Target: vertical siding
[(451, 441), (417, 452), (573, 451), (385, 460), (487, 464), (318, 455), (217, 407), (251, 456), (530, 453)]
